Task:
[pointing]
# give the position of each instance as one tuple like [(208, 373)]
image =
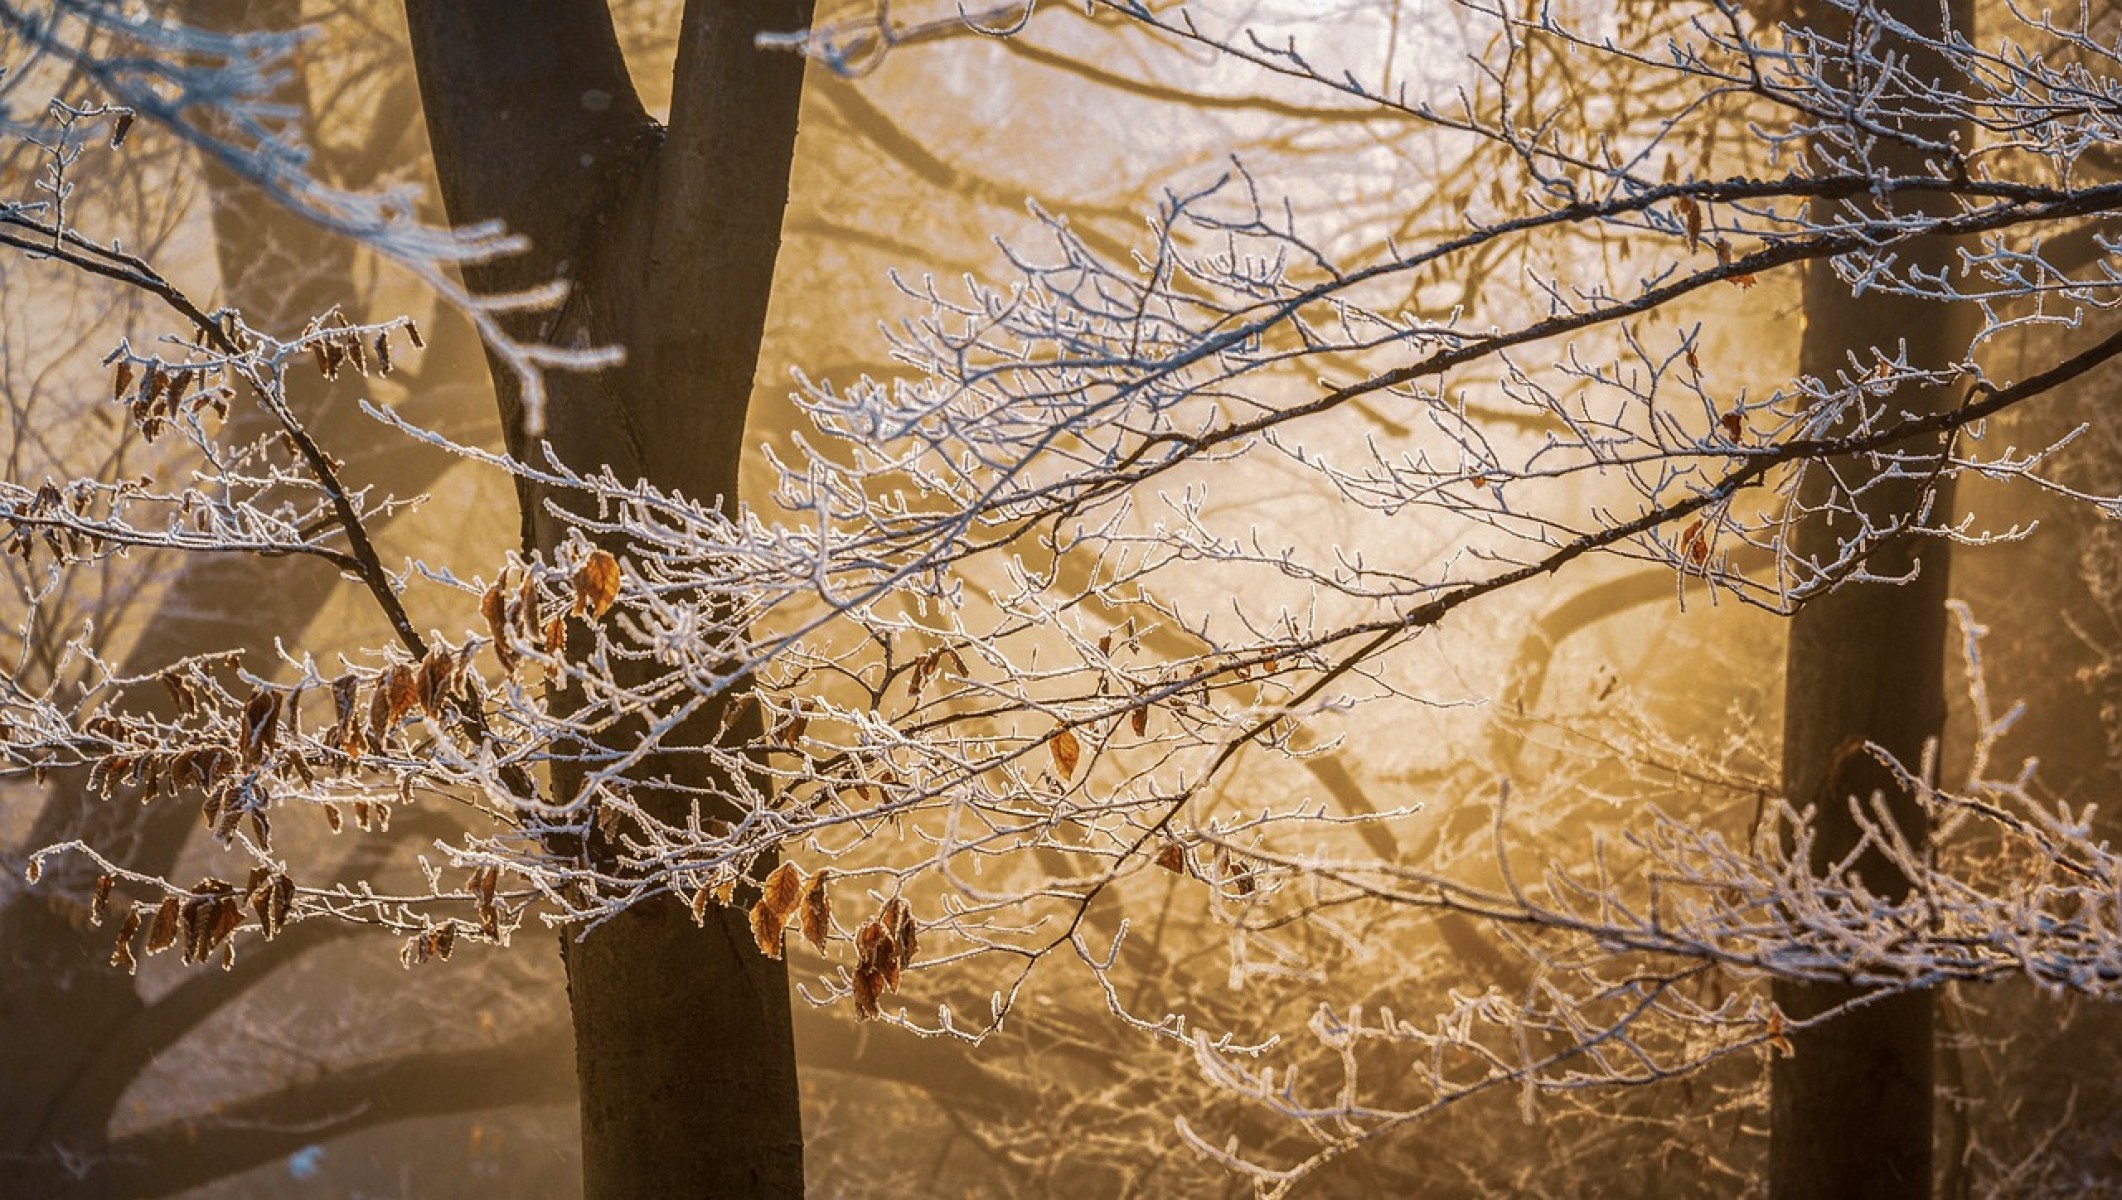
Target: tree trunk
[(1851, 1108), (667, 240)]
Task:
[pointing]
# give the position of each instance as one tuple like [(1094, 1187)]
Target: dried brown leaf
[(261, 725), (493, 607), (766, 929), (403, 685), (437, 672), (596, 584), (817, 907), (1067, 752), (163, 934), (869, 985), (778, 899), (877, 959), (100, 900), (122, 949)]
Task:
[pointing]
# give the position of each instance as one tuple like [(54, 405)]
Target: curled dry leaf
[(1694, 544), (817, 908), (122, 949), (876, 967), (163, 933), (271, 897), (1172, 858), (596, 584), (261, 725), (906, 935), (1691, 215), (346, 734), (403, 685), (433, 682), (493, 609), (1067, 752), (484, 883), (883, 949), (100, 900), (1776, 1036), (427, 944), (868, 986), (778, 898)]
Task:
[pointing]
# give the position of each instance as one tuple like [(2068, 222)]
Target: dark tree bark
[(667, 240), (1851, 1107)]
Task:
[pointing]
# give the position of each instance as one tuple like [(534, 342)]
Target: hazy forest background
[(335, 1059)]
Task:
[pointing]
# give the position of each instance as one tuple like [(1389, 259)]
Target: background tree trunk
[(64, 1084), (1851, 1108), (667, 239)]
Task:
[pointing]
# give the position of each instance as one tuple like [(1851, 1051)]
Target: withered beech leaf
[(493, 607), (1067, 752), (1172, 858), (817, 910), (1691, 214), (379, 716), (1138, 720), (876, 966), (778, 898), (596, 584), (100, 900), (181, 692), (163, 933), (261, 724), (122, 949), (898, 918), (432, 685), (346, 695), (868, 985), (529, 621), (766, 930), (1694, 544), (404, 689), (485, 881)]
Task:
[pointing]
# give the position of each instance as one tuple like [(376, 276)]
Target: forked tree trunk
[(667, 238), (1851, 1108)]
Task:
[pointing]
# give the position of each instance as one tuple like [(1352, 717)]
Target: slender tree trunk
[(667, 239), (1851, 1108)]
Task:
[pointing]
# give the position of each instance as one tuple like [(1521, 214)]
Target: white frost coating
[(1015, 618)]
